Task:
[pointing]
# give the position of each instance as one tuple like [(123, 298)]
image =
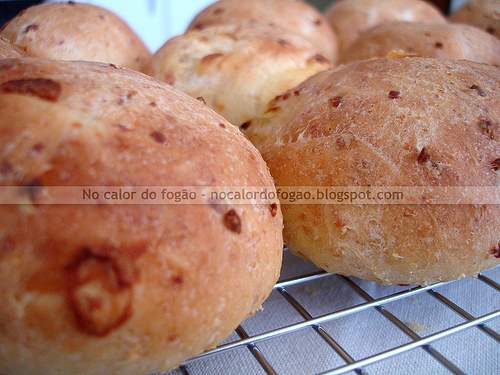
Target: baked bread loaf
[(484, 14), (8, 49), (236, 69), (382, 125), (445, 41), (350, 18), (76, 31), (104, 288), (296, 16)]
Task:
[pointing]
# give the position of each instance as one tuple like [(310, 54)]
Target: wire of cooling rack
[(310, 300)]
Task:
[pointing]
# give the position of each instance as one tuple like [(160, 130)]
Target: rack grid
[(315, 323)]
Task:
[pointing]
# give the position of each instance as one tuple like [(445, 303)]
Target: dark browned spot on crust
[(199, 26), (296, 92), (201, 99), (394, 95), (37, 148), (246, 125), (496, 251), (318, 21), (100, 290), (486, 127), (339, 223), (232, 221), (282, 42), (71, 3), (478, 89), (211, 57), (131, 94), (273, 110), (153, 104), (423, 156), (33, 188), (336, 101), (218, 11), (274, 209), (42, 88), (438, 45), (491, 30), (178, 279), (173, 337), (223, 126), (495, 164), (158, 137), (29, 28), (6, 168), (318, 59)]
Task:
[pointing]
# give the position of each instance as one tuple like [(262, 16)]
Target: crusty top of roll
[(8, 49), (296, 16), (375, 98), (76, 31), (445, 41), (383, 124), (350, 18), (484, 14), (118, 288), (237, 69)]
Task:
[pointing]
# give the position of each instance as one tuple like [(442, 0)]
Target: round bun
[(103, 288), (445, 41), (8, 49), (484, 14), (76, 31), (381, 125), (295, 16), (236, 69), (350, 18)]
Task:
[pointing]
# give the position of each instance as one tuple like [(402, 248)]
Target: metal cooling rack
[(319, 323)]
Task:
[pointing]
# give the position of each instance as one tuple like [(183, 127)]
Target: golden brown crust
[(122, 288), (390, 123), (236, 69), (76, 31), (350, 18), (445, 41), (484, 14), (295, 16)]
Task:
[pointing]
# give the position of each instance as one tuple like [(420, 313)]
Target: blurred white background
[(155, 21)]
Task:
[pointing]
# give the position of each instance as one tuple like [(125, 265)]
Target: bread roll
[(236, 69), (76, 31), (381, 125), (8, 49), (122, 288), (484, 14), (350, 18), (295, 16), (445, 41)]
